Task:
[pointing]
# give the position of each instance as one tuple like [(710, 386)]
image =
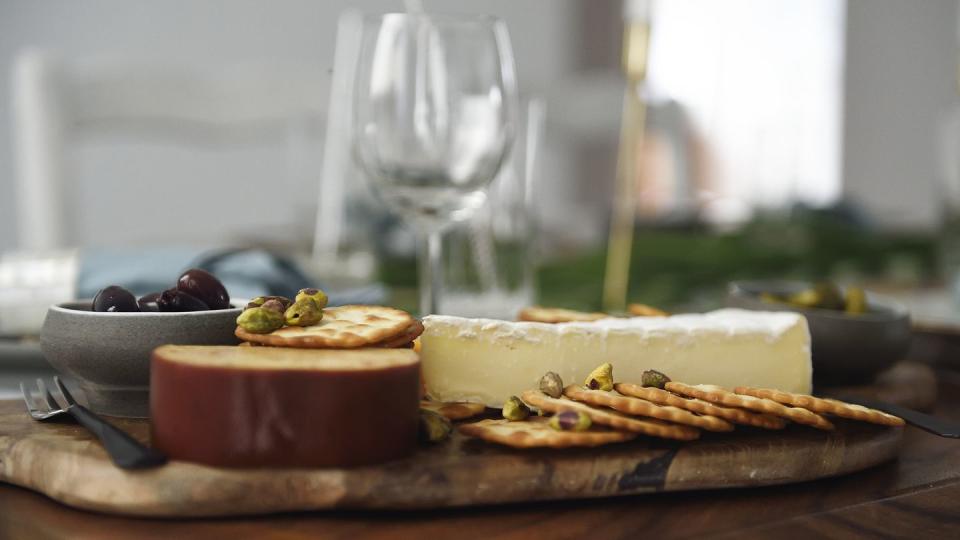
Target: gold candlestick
[(636, 40)]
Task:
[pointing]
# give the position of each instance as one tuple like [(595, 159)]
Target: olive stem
[(430, 270)]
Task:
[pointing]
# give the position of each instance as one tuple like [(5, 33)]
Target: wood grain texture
[(931, 513), (62, 461)]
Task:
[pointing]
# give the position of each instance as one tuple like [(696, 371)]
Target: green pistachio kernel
[(514, 409), (304, 312), (260, 320), (654, 378), (433, 427), (551, 384), (570, 421), (600, 378), (261, 300), (317, 295), (274, 305)]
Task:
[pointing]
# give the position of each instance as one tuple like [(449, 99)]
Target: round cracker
[(731, 414), (404, 340), (643, 310), (535, 432), (641, 407), (722, 396), (455, 410), (606, 417), (342, 327), (823, 406), (557, 315)]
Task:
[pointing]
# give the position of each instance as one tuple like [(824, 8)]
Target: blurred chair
[(56, 102)]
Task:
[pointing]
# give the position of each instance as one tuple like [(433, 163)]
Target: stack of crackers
[(677, 411), (345, 327)]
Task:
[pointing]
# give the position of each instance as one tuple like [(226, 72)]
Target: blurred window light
[(762, 83)]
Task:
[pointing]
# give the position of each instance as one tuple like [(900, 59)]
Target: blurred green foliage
[(674, 267)]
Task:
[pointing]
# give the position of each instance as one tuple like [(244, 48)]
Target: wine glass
[(434, 121)]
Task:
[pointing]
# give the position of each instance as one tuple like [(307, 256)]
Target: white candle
[(637, 10)]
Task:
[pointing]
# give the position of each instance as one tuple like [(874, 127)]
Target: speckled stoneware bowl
[(108, 354), (846, 349)]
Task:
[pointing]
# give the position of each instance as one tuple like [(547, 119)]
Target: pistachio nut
[(654, 378), (514, 409), (570, 421), (304, 312), (433, 427), (261, 300), (260, 320), (856, 301), (600, 378), (551, 384), (317, 295), (274, 305)]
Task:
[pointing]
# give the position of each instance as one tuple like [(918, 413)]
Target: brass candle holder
[(616, 280)]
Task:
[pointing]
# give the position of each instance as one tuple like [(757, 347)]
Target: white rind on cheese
[(487, 361)]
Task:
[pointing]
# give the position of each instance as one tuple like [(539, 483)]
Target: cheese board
[(317, 409), (65, 463)]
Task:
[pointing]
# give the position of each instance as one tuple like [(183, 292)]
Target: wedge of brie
[(488, 361)]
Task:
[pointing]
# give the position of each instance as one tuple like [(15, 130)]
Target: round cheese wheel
[(281, 407)]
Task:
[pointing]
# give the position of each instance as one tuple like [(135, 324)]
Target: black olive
[(148, 302), (177, 300), (204, 286), (114, 299)]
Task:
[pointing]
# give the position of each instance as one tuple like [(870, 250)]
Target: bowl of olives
[(105, 343), (855, 334)]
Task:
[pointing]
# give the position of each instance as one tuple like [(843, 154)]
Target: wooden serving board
[(65, 463)]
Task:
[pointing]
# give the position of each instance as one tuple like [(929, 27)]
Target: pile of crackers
[(345, 327), (677, 411)]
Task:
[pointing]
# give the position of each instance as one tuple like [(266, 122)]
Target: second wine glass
[(435, 101)]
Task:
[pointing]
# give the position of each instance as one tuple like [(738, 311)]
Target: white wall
[(900, 67), (900, 78), (140, 176)]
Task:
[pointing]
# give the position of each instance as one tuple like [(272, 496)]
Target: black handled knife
[(937, 426)]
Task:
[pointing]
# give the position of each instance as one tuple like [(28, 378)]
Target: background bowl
[(108, 354), (846, 348)]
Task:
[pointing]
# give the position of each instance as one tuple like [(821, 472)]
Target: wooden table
[(917, 497)]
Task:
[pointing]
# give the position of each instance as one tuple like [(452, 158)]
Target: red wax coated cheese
[(282, 407)]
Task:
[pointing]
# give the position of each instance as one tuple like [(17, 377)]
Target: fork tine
[(27, 398), (63, 390), (47, 396)]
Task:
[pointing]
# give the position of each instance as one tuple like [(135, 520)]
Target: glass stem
[(429, 269)]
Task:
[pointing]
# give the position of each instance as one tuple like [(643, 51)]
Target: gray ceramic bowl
[(108, 354), (846, 348)]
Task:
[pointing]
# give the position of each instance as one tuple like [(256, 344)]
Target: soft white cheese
[(488, 361)]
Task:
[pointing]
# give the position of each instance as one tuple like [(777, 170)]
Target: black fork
[(123, 449)]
